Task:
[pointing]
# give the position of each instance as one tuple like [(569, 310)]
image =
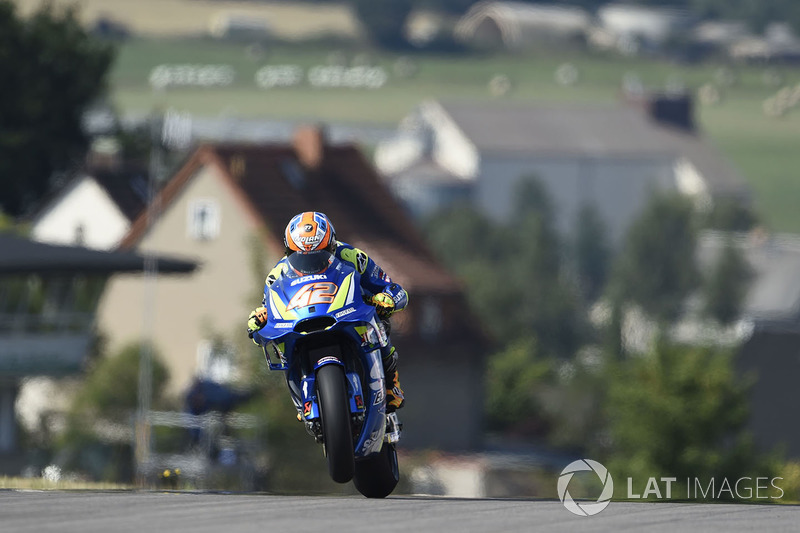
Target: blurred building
[(517, 25), (610, 157), (779, 43), (48, 300), (633, 28), (769, 331), (94, 210), (228, 205)]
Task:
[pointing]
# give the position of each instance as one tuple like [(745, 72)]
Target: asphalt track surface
[(179, 512)]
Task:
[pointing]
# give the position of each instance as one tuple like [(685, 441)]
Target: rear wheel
[(377, 475), (335, 414)]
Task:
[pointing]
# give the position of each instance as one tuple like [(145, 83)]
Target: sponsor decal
[(308, 240), (328, 359), (307, 409), (380, 396), (282, 325), (344, 312), (359, 402), (373, 438), (306, 279), (384, 339)]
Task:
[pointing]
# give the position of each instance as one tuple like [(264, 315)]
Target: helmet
[(308, 232)]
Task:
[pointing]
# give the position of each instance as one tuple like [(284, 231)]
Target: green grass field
[(765, 149)]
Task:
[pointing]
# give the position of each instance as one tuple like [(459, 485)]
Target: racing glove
[(384, 304), (256, 320)]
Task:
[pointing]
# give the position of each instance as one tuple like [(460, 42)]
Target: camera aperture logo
[(585, 508)]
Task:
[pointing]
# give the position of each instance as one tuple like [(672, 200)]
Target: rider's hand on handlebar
[(256, 320), (384, 304)]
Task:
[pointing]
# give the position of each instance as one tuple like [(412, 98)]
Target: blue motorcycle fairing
[(329, 302)]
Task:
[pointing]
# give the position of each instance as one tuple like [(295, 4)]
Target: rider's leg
[(394, 393)]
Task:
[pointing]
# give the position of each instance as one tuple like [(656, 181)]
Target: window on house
[(203, 219), (215, 361)]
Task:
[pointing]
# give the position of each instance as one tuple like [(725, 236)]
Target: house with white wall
[(93, 210), (612, 157)]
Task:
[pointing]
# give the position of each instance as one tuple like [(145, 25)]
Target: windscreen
[(310, 262)]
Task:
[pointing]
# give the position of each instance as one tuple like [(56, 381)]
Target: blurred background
[(593, 206)]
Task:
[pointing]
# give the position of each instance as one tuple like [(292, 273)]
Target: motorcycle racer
[(312, 231)]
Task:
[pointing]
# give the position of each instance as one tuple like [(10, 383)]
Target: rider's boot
[(395, 399)]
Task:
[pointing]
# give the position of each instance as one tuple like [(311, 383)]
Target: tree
[(679, 411), (657, 269), (730, 215), (472, 246), (513, 271), (513, 388), (546, 304), (591, 253), (726, 285), (105, 402), (110, 391), (52, 70)]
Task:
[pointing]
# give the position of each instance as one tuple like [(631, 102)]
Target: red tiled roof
[(275, 186)]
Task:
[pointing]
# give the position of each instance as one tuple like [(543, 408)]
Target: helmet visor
[(310, 262)]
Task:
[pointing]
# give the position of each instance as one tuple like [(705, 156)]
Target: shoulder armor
[(357, 257), (275, 273)]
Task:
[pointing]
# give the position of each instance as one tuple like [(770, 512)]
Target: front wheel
[(335, 414), (377, 475)]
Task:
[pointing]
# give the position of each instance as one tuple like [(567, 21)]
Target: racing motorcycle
[(326, 339)]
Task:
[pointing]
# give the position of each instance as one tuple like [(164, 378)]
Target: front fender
[(371, 438)]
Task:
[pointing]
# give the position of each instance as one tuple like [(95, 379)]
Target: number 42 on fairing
[(313, 294)]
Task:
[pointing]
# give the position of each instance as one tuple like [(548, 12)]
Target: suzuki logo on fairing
[(305, 279)]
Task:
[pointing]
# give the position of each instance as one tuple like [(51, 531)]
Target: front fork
[(307, 404), (379, 426)]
